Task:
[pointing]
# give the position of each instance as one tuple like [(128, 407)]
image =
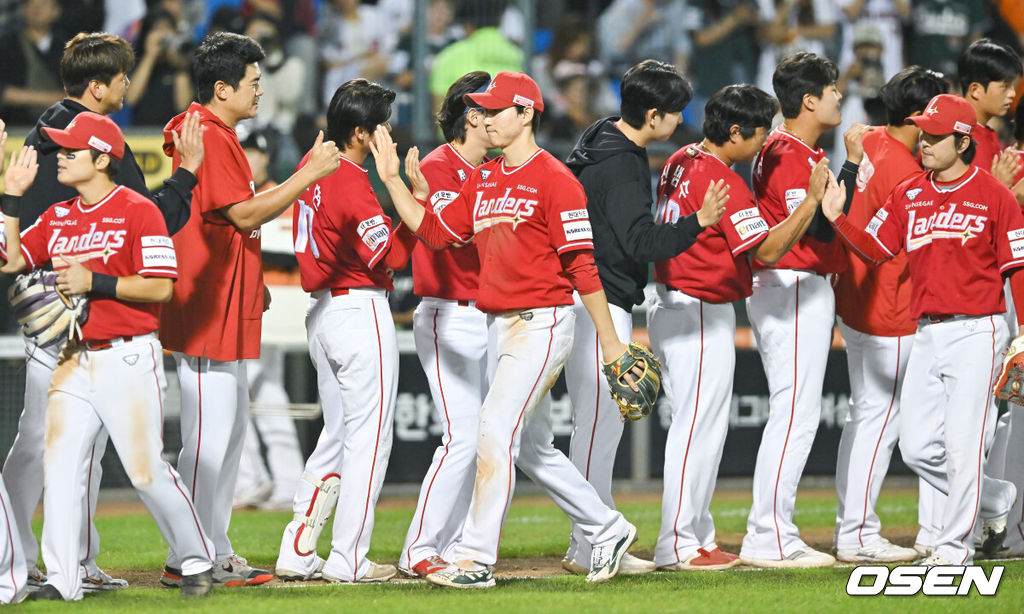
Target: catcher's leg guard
[(324, 500)]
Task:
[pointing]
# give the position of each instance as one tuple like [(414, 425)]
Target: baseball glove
[(1010, 383), (634, 404), (46, 314)]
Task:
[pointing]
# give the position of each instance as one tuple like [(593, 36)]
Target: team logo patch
[(522, 101), (961, 128), (912, 194), (462, 174), (131, 359), (949, 224), (793, 198), (485, 173), (526, 316), (441, 198), (99, 144), (61, 211)]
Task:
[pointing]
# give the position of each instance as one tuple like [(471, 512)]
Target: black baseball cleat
[(197, 585), (46, 592)]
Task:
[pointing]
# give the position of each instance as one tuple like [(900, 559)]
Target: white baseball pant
[(120, 389), (451, 342), (277, 432), (13, 572), (596, 423), (696, 341), (877, 366), (1014, 472), (23, 469), (214, 418), (792, 313), (354, 349), (526, 351), (950, 374)]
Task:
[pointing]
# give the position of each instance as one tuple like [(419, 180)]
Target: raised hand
[(21, 172), (713, 207), (819, 180), (324, 157), (834, 199), (854, 138), (190, 142), (417, 182), (385, 154), (1005, 166)]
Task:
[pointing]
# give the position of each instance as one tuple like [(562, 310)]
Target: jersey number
[(304, 233), (668, 211)]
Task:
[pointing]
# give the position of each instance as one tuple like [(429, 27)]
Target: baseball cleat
[(571, 566), (223, 577), (36, 577), (171, 577), (935, 560), (100, 581), (429, 565), (455, 577), (634, 566), (923, 551), (46, 592), (993, 530), (289, 575), (606, 558), (880, 551), (251, 576), (705, 560), (803, 558), (197, 585), (374, 573)]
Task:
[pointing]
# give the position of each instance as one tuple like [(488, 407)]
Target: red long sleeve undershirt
[(402, 243)]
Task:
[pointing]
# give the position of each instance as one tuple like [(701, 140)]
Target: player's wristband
[(11, 205), (104, 284)]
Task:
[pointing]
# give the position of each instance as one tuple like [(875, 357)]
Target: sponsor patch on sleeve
[(157, 241), (578, 230), (1013, 235), (369, 223), (1017, 248), (575, 214), (744, 214), (440, 199), (159, 258), (876, 222), (751, 227), (794, 197), (376, 237)]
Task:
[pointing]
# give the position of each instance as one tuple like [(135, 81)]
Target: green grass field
[(533, 543)]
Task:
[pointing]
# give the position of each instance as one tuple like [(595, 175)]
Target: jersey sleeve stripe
[(158, 272), (751, 241), (882, 245), (576, 245), (380, 252), (450, 231), (1013, 264)]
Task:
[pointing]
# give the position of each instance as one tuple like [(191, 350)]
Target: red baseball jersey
[(217, 308), (960, 239), (782, 173), (716, 268), (341, 233), (522, 218), (452, 274), (123, 234), (986, 146), (876, 299)]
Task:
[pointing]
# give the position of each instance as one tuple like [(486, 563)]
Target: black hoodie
[(617, 179), (174, 199)]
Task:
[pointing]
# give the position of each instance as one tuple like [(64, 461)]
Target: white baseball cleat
[(923, 551), (605, 559), (289, 575), (993, 530), (805, 557), (374, 573), (454, 576), (571, 566), (880, 551), (935, 560), (634, 566), (101, 581)]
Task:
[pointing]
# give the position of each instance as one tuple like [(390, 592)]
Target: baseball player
[(13, 572), (346, 248), (791, 311), (213, 321), (528, 216), (692, 322), (988, 72), (610, 161), (93, 71), (873, 305), (959, 228), (110, 243), (451, 339)]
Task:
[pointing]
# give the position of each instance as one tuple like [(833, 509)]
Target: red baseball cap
[(508, 89), (90, 131), (946, 114)]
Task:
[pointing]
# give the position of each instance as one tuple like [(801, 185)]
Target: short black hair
[(1018, 123), (985, 61), (968, 154), (535, 122), (113, 165), (357, 104), (909, 92), (652, 85), (93, 56), (452, 116), (745, 106), (798, 75), (222, 56)]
